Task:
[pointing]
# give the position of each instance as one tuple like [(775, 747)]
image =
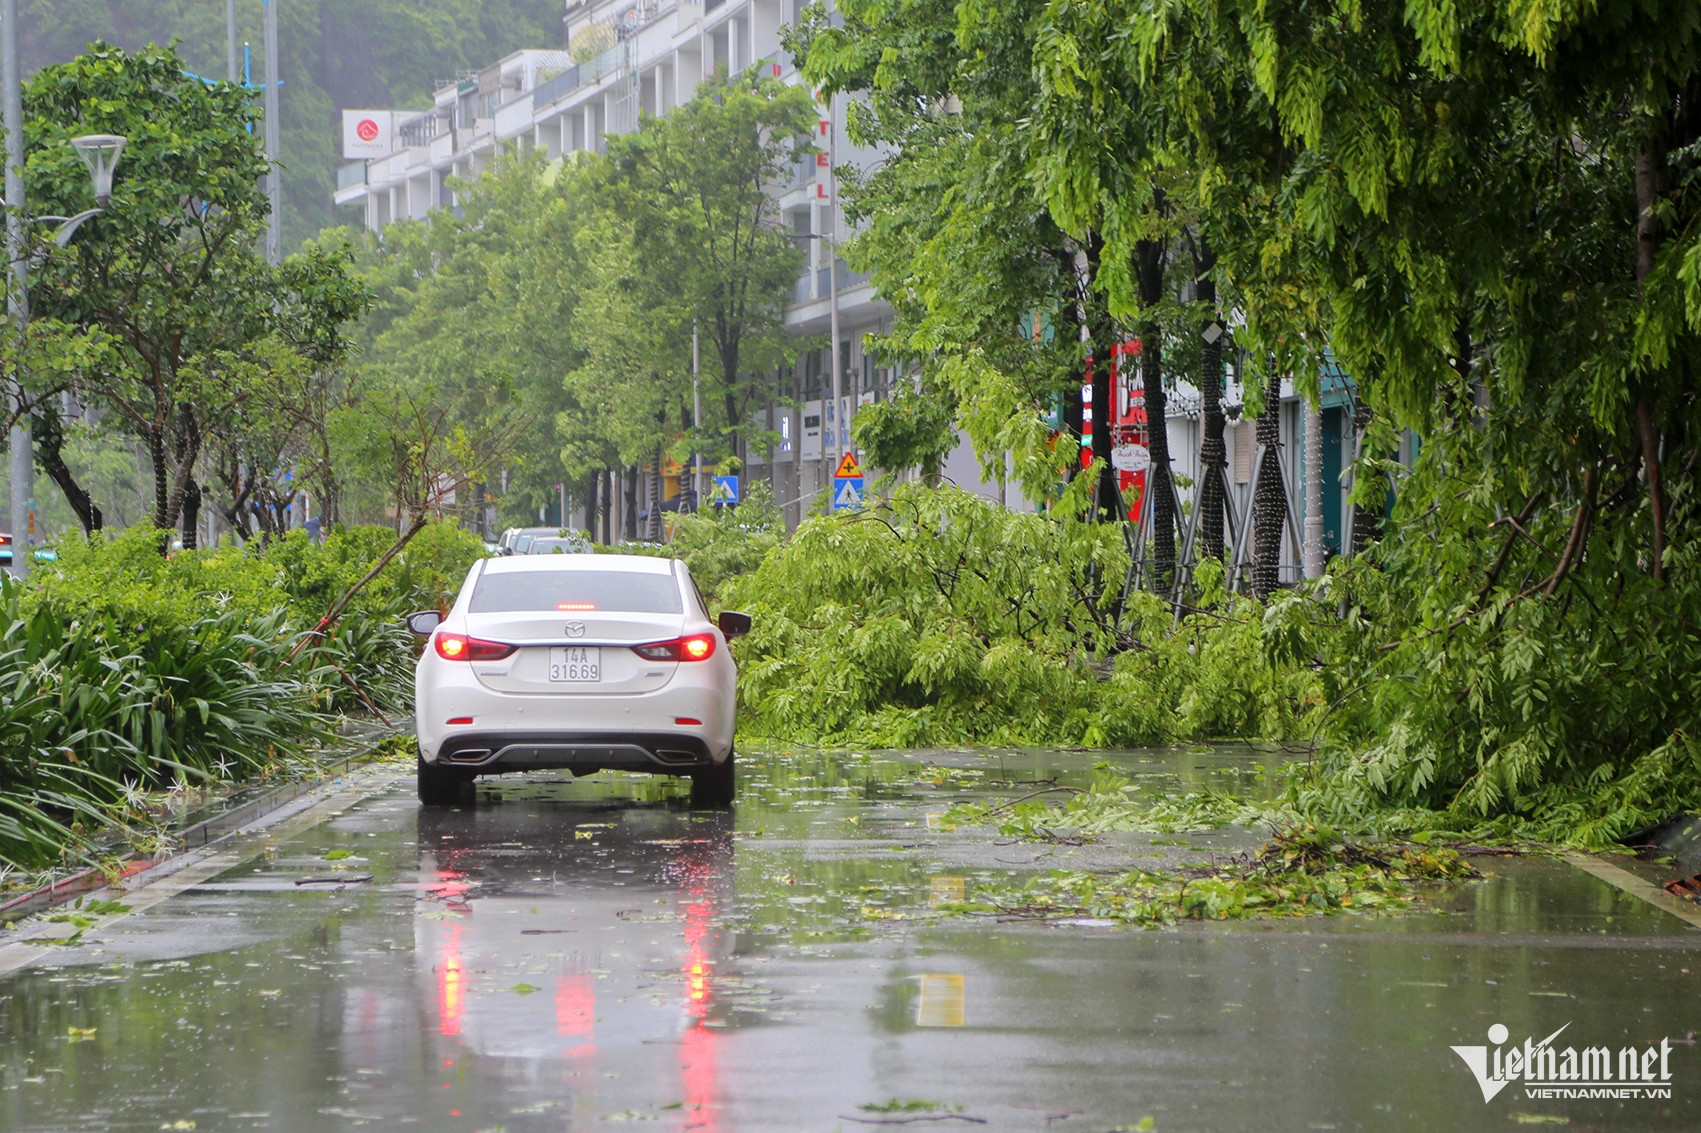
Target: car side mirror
[(425, 621), (733, 624)]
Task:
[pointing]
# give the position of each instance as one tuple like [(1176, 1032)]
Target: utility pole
[(830, 457), (696, 422), (17, 299), (274, 185), (232, 65), (839, 441)]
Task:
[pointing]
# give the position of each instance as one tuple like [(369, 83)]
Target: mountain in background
[(335, 53)]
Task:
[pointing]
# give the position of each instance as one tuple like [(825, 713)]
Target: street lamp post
[(232, 68), (274, 182), (830, 457), (12, 107), (829, 460), (100, 153), (696, 422)]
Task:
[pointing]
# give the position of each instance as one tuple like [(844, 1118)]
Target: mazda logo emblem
[(575, 629)]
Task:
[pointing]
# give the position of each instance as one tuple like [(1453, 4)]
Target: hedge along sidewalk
[(204, 832)]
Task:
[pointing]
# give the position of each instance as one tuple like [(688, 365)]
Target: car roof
[(634, 564)]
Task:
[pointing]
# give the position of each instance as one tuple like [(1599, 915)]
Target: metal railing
[(549, 90), (422, 130)]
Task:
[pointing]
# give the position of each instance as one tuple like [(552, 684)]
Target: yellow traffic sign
[(848, 468)]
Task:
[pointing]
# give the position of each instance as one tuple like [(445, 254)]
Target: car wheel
[(441, 786), (713, 785)]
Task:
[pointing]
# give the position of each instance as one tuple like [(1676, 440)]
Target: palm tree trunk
[(1213, 453), (191, 519), (653, 529), (1149, 262), (1270, 504), (1367, 521)]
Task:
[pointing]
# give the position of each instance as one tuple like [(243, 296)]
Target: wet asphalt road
[(573, 955)]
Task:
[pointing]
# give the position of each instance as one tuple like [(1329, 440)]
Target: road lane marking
[(1625, 881)]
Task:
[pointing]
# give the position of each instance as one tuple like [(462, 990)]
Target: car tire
[(441, 786), (712, 787)]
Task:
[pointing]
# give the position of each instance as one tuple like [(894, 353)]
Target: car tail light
[(695, 647), (460, 647)]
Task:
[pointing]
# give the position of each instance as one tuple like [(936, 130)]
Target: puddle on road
[(570, 955)]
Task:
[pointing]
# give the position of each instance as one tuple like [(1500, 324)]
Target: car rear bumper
[(579, 752)]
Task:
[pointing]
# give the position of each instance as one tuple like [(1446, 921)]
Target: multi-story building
[(627, 58)]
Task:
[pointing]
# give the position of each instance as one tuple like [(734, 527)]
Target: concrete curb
[(172, 876), (192, 837)]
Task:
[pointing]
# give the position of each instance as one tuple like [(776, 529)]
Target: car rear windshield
[(575, 591)]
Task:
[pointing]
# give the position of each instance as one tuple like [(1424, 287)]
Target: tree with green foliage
[(1488, 218), (477, 312), (994, 302), (168, 276), (1482, 214), (692, 238)]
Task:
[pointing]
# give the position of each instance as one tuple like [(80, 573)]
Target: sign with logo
[(368, 133), (1130, 458), (725, 491), (1545, 1072)]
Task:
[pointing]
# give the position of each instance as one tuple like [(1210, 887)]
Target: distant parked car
[(556, 545), (583, 662), (518, 540)]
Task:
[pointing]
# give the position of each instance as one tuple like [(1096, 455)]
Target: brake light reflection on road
[(576, 1011), (697, 1069), (451, 986)]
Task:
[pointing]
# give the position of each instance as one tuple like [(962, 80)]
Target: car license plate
[(575, 663)]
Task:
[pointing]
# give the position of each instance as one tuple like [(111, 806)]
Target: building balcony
[(551, 89)]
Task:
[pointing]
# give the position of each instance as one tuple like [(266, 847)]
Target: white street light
[(100, 152)]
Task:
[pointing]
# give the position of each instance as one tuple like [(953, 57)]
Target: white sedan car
[(582, 662)]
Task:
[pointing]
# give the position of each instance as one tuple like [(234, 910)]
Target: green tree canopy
[(167, 278)]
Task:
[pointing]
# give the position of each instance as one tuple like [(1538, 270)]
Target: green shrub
[(125, 671), (938, 617)]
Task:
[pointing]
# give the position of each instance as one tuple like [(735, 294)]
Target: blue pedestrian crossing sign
[(847, 485), (725, 492)]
